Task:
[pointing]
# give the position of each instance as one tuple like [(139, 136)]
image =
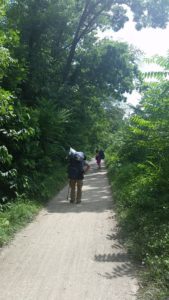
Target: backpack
[(75, 168), (101, 154)]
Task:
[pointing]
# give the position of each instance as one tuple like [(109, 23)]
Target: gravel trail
[(70, 252)]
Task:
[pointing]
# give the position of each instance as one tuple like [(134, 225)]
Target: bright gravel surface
[(70, 252)]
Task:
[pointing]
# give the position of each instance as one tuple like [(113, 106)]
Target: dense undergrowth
[(16, 214), (138, 165)]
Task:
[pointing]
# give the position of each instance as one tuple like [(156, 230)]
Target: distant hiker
[(99, 156), (98, 159), (76, 169)]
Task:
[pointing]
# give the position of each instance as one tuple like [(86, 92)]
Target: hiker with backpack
[(98, 159), (76, 169), (99, 156)]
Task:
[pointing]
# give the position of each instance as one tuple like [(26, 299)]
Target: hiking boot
[(79, 201)]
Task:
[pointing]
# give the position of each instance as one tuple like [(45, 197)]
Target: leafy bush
[(15, 216), (139, 173)]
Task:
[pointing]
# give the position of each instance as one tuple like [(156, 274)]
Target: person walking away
[(101, 154), (76, 170), (98, 159)]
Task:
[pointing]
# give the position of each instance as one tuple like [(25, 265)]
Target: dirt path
[(70, 252)]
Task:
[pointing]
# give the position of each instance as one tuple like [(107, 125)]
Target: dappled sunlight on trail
[(70, 251), (95, 190)]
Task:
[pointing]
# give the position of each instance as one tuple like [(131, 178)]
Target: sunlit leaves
[(140, 176), (160, 61)]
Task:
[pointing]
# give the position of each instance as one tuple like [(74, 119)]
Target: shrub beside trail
[(138, 165)]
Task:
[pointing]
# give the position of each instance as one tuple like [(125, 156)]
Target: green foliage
[(59, 87), (163, 62), (16, 131), (15, 216), (113, 72), (139, 172), (44, 185)]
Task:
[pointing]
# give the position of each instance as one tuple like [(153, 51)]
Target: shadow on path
[(119, 257), (96, 190), (97, 198)]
